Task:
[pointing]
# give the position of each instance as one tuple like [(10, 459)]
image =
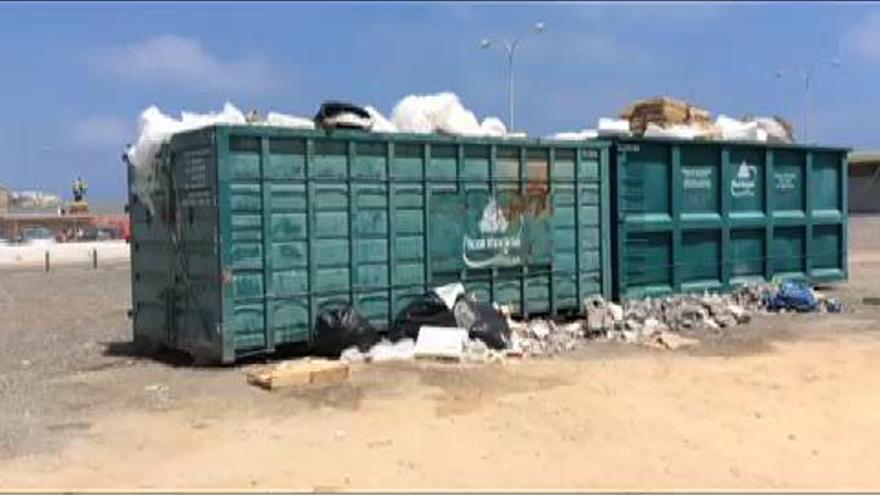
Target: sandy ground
[(786, 402)]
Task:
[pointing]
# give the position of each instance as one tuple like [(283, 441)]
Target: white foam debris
[(575, 136), (380, 123), (613, 127), (156, 128), (284, 120), (678, 131), (443, 113), (776, 131), (737, 130), (492, 126)]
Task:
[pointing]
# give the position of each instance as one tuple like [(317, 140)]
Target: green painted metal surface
[(693, 216), (262, 228)]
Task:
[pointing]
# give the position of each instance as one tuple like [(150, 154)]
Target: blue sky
[(76, 75)]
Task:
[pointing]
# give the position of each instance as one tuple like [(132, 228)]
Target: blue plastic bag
[(793, 295)]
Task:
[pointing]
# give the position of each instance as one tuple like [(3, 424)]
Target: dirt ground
[(785, 402)]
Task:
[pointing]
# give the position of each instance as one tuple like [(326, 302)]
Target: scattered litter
[(833, 305), (450, 293), (308, 371), (338, 329), (483, 322), (793, 295), (673, 341), (156, 387), (441, 343), (429, 309), (402, 350), (352, 355)]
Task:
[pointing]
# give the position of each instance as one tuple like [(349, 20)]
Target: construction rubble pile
[(449, 324), (461, 329)]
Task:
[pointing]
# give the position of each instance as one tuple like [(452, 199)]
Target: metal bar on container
[(809, 210), (352, 211), (606, 228), (725, 254), (843, 207), (459, 180), (551, 163), (268, 266), (769, 264), (675, 190), (524, 269), (426, 231), (391, 239), (311, 222), (578, 237), (493, 271)]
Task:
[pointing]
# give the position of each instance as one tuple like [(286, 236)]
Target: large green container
[(256, 230), (693, 216)]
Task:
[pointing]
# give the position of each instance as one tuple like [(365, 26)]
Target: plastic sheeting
[(284, 120), (156, 128), (380, 123), (680, 131), (442, 113), (575, 136), (613, 127), (737, 130)]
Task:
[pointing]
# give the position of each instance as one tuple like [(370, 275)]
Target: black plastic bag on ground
[(426, 310), (339, 329), (483, 322)]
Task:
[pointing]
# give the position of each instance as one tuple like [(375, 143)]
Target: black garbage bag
[(483, 322), (339, 329), (341, 115), (426, 310)]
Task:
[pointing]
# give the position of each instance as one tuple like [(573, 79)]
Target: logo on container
[(743, 185)]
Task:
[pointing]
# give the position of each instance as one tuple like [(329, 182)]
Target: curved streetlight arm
[(510, 48)]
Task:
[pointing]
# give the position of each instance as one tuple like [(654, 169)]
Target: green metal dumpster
[(256, 230), (694, 216)]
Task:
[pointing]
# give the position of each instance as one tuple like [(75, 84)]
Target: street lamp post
[(510, 49), (807, 75)]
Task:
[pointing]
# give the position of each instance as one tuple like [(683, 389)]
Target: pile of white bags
[(155, 128), (442, 113)]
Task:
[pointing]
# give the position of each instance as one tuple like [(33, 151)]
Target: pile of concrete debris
[(661, 321), (667, 322)]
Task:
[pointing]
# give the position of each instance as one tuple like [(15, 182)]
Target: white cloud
[(101, 131), (177, 60), (864, 38)]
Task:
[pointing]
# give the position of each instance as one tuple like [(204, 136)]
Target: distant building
[(5, 195), (864, 182)]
